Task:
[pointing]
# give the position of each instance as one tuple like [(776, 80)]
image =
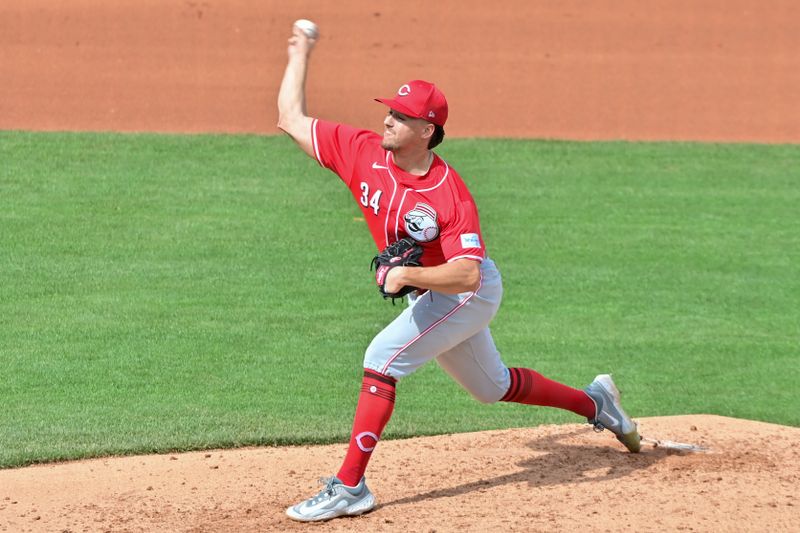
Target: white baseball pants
[(454, 330)]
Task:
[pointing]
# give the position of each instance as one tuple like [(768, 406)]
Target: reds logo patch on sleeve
[(470, 240)]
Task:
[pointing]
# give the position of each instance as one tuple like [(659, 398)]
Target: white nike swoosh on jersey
[(376, 165)]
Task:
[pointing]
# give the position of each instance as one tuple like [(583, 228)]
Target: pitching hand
[(300, 43)]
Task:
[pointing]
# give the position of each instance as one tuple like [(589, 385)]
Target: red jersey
[(436, 210)]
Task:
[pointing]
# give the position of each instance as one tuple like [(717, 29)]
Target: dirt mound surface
[(536, 479)]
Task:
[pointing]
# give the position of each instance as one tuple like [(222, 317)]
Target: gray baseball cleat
[(336, 499), (609, 414)]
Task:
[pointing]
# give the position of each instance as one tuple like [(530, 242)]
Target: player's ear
[(427, 131)]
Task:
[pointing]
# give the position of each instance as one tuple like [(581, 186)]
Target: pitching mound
[(543, 478)]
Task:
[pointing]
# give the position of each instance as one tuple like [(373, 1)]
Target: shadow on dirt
[(559, 463)]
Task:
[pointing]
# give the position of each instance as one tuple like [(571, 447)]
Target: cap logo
[(431, 114), (405, 90)]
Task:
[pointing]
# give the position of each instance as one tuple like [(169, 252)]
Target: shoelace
[(328, 492), (598, 427)]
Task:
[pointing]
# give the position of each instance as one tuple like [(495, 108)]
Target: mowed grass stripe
[(180, 292)]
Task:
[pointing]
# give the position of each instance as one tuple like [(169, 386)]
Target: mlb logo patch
[(470, 240)]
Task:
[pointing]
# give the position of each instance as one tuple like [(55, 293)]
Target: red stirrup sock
[(375, 406), (532, 388)]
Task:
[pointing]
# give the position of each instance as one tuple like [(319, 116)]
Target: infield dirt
[(548, 478), (720, 70)]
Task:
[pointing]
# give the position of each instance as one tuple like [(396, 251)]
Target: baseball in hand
[(309, 28)]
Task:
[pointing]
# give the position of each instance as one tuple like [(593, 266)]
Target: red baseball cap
[(419, 99)]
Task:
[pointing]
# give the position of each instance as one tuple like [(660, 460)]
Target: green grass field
[(177, 292)]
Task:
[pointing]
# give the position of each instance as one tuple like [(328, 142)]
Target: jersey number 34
[(366, 201)]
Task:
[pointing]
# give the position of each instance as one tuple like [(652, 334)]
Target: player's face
[(400, 130)]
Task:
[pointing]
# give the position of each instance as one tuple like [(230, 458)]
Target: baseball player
[(405, 190)]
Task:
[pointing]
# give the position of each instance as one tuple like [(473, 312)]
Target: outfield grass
[(177, 292)]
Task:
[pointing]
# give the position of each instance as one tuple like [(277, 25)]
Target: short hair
[(437, 137)]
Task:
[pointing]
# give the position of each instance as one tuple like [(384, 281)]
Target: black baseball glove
[(405, 252)]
